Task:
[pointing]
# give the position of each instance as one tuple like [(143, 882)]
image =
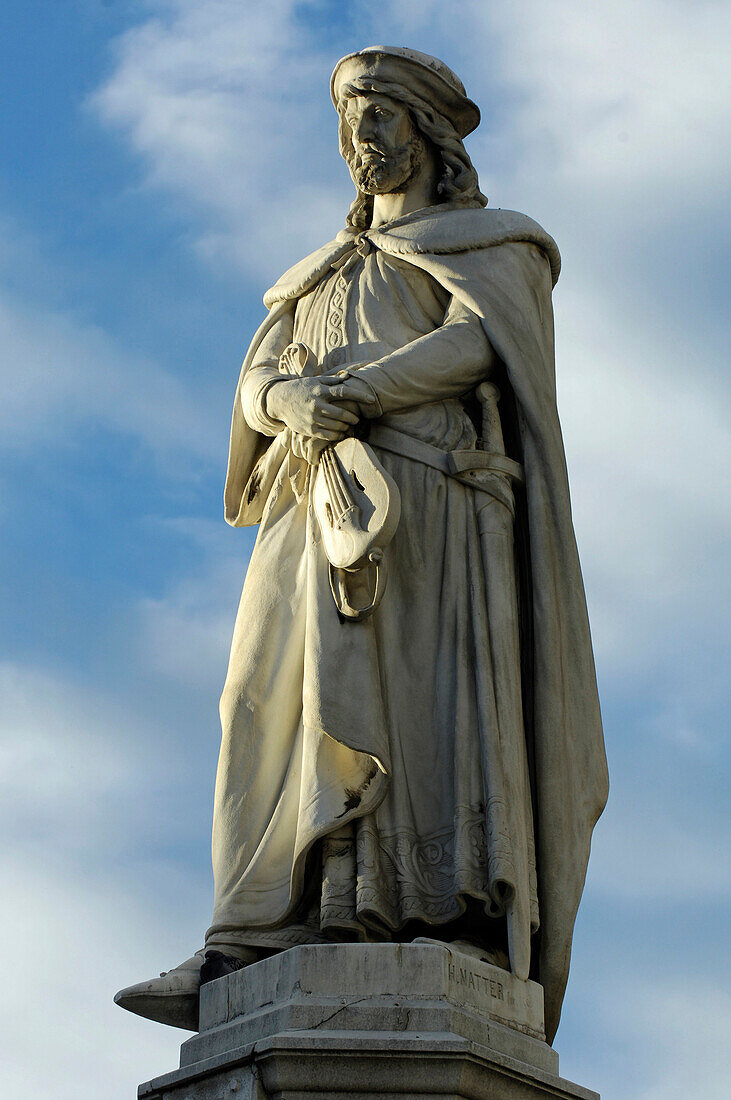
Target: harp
[(357, 505)]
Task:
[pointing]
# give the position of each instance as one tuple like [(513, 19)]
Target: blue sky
[(162, 162)]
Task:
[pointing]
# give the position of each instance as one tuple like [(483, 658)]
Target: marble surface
[(422, 756), (368, 1020)]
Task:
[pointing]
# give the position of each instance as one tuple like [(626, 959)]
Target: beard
[(378, 171)]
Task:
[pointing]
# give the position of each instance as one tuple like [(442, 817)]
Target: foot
[(173, 997), (170, 999), (217, 965), (493, 955)]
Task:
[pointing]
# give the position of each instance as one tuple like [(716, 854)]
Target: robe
[(371, 779)]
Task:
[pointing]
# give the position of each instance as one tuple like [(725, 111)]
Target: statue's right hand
[(305, 406)]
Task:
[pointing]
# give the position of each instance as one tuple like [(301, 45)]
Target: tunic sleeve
[(444, 363), (263, 374)]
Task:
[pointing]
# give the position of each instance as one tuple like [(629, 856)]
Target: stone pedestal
[(351, 1021)]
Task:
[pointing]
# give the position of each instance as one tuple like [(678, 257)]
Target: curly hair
[(458, 183)]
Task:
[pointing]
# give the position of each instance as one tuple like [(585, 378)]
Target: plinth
[(350, 1021)]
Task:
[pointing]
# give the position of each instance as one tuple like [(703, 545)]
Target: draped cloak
[(501, 266)]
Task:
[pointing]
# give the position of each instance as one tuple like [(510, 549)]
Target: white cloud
[(658, 1037), (192, 87), (611, 98), (80, 923), (691, 1032), (226, 103), (628, 93), (73, 937), (647, 448), (640, 848), (185, 634), (57, 738), (621, 105), (59, 374), (74, 761), (611, 109), (89, 902)]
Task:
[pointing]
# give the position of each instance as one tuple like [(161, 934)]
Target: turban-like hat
[(424, 76)]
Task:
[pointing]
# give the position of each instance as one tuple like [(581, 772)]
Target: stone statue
[(412, 745)]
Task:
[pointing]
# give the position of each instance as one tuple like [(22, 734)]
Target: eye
[(382, 113)]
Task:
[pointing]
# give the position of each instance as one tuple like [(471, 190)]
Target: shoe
[(170, 999), (493, 955), (218, 965)]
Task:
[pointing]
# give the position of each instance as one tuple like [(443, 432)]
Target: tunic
[(450, 826)]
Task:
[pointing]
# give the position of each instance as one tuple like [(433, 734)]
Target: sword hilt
[(492, 431)]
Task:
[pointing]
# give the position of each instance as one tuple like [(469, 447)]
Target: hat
[(425, 76)]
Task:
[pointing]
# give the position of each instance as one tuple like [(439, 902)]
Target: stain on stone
[(353, 799), (254, 484), (354, 795)]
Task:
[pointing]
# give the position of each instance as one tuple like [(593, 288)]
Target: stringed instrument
[(357, 504)]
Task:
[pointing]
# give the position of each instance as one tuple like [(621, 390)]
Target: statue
[(412, 744)]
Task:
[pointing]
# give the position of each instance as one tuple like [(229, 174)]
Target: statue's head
[(398, 108), (384, 149)]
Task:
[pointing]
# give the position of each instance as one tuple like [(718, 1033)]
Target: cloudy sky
[(162, 162)]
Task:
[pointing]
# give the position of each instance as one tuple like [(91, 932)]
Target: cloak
[(502, 266)]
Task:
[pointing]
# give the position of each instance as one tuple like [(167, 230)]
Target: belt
[(473, 468), (452, 463)]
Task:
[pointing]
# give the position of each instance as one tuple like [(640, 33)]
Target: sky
[(162, 162)]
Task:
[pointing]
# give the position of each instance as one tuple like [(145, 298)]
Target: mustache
[(379, 170), (374, 149), (371, 149)]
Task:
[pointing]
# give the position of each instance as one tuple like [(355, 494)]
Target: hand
[(305, 447), (355, 394), (305, 406)]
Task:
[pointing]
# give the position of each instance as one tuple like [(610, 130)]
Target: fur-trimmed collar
[(436, 230)]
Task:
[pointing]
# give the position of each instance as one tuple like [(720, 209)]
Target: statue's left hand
[(355, 394)]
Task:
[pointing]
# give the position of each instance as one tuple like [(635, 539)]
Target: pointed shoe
[(170, 999)]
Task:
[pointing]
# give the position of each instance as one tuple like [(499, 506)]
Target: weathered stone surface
[(363, 1020), (378, 769), (338, 1066), (342, 975)]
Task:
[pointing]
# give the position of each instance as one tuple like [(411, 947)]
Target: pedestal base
[(350, 1021)]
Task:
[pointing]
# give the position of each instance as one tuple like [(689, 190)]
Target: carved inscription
[(462, 975)]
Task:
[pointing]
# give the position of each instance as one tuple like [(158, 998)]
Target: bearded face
[(387, 149)]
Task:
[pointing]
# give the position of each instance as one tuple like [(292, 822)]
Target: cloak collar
[(436, 230)]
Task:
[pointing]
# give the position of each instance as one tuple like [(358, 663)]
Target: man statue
[(423, 760)]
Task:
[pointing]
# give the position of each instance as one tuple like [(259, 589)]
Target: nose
[(363, 129)]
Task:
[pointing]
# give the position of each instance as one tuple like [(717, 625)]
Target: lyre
[(357, 504)]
